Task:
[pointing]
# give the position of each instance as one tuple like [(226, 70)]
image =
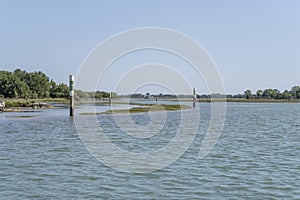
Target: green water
[(256, 157)]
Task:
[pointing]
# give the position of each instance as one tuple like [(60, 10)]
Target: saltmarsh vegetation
[(144, 108)]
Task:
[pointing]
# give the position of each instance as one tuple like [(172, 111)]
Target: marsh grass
[(144, 108)]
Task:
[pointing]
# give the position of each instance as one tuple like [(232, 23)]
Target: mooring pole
[(194, 97), (110, 97), (71, 78)]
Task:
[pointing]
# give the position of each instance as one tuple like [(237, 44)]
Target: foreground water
[(256, 157)]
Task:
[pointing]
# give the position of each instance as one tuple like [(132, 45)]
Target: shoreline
[(29, 105), (14, 103)]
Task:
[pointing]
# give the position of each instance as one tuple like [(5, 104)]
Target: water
[(256, 157)]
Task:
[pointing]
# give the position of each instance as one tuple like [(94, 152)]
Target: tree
[(6, 86), (114, 95), (259, 94), (102, 95), (248, 94), (21, 89), (239, 96), (59, 91), (39, 83), (270, 93), (286, 95), (21, 84), (295, 92), (133, 96)]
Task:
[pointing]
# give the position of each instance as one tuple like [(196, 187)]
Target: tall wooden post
[(110, 97), (194, 97), (71, 79)]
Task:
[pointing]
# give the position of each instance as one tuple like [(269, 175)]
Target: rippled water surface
[(256, 157)]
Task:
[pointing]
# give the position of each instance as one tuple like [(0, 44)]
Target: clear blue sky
[(255, 44)]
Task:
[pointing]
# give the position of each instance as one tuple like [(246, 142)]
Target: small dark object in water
[(21, 116)]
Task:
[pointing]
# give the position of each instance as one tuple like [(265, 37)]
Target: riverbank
[(18, 105), (26, 103)]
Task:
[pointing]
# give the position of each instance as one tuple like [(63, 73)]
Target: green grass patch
[(57, 100), (11, 103), (17, 103), (144, 108), (25, 103)]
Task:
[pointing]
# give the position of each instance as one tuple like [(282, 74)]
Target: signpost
[(194, 97), (71, 78)]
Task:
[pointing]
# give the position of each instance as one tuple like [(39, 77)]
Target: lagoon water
[(256, 157)]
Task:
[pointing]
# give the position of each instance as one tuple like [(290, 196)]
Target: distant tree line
[(149, 96), (79, 94), (293, 93), (33, 85)]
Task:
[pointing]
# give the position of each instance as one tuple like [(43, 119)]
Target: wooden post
[(110, 97), (194, 97), (71, 79)]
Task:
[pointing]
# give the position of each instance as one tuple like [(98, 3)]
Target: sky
[(254, 44)]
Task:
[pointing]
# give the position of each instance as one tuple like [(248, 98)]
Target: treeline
[(79, 94), (293, 93), (149, 96), (33, 85)]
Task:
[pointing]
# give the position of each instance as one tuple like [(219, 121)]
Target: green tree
[(248, 94), (21, 89), (102, 95), (295, 92), (270, 93), (259, 94), (21, 84), (58, 91), (286, 95), (39, 84), (6, 85)]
